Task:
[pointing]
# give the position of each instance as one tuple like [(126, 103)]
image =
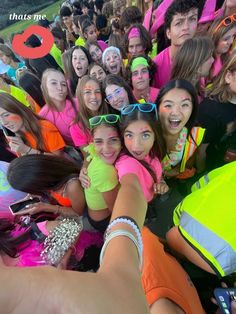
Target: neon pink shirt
[(63, 119), (129, 165), (216, 67), (79, 136), (102, 44), (164, 67), (153, 93)]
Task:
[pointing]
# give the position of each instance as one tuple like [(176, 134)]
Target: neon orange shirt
[(63, 201), (163, 277), (52, 138)]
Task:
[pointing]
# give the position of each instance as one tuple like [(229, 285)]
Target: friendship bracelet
[(129, 221), (125, 233)]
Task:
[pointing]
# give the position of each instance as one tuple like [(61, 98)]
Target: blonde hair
[(220, 88), (44, 88), (191, 56)]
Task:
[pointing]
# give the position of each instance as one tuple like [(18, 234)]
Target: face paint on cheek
[(135, 78), (163, 109), (128, 140), (145, 75), (14, 118)]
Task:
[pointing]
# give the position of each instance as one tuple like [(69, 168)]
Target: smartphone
[(7, 132), (224, 296), (16, 207)]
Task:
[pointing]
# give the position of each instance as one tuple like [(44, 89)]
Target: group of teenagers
[(130, 120)]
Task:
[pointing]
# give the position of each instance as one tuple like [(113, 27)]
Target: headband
[(138, 61), (110, 49), (134, 33)]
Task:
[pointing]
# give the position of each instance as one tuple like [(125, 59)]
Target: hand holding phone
[(7, 132), (224, 297), (19, 206)]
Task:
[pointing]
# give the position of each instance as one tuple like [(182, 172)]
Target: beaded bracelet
[(129, 221), (122, 232)]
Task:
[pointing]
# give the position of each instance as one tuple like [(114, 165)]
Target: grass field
[(21, 25)]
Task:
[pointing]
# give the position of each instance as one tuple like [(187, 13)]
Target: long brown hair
[(30, 119), (220, 88), (84, 113), (191, 56)]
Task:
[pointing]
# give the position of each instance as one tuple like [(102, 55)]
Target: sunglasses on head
[(226, 22), (146, 107), (108, 118)]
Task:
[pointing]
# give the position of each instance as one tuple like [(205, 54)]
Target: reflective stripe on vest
[(192, 143), (214, 249)]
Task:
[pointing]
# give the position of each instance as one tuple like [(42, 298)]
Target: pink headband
[(134, 33), (208, 13)]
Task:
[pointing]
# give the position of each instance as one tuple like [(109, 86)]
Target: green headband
[(137, 61)]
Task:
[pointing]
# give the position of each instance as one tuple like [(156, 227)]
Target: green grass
[(21, 25)]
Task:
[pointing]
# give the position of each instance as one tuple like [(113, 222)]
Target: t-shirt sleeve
[(104, 177), (52, 137), (79, 137), (128, 166)]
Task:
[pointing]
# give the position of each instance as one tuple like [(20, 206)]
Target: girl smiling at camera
[(91, 104), (118, 92), (104, 184), (138, 164)]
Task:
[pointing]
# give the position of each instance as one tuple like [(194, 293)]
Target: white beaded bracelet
[(122, 232), (128, 222)]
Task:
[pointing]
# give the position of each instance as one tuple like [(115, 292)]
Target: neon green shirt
[(103, 178)]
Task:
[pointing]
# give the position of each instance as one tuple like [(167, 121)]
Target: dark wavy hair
[(38, 174), (179, 7), (145, 38), (157, 149), (151, 68)]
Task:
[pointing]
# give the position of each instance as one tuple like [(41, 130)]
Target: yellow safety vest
[(207, 219)]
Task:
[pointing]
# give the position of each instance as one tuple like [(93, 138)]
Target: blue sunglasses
[(146, 107)]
